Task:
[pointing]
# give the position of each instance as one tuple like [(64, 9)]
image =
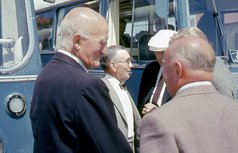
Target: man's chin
[(95, 65), (129, 74), (127, 78)]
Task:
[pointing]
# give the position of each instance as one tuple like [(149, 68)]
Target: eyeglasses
[(127, 61)]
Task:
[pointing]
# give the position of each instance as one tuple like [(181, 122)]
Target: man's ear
[(112, 66), (179, 69), (76, 41)]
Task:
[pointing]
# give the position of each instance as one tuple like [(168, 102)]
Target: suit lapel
[(115, 99), (136, 114)]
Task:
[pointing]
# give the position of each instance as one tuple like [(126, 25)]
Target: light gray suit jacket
[(197, 120), (120, 115)]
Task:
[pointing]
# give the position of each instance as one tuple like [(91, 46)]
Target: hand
[(148, 108)]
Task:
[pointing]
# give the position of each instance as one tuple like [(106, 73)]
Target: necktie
[(158, 88), (158, 94), (123, 86)]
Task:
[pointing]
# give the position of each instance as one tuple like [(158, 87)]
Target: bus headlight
[(16, 105)]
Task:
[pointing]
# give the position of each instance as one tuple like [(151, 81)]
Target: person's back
[(198, 122)]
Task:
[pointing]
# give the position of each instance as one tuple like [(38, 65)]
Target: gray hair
[(194, 55), (195, 58), (69, 27), (188, 32), (112, 55)]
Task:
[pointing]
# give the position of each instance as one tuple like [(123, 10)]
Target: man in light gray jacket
[(117, 66)]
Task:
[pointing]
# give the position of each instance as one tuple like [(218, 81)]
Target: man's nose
[(104, 50), (130, 65)]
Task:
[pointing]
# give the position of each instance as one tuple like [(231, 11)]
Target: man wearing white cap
[(158, 44)]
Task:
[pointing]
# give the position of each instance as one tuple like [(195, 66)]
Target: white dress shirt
[(126, 104), (74, 57)]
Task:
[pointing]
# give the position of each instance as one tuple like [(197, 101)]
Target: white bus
[(29, 37)]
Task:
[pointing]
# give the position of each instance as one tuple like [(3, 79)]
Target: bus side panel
[(16, 134)]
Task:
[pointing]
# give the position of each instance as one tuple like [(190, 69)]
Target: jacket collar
[(201, 89), (67, 59)]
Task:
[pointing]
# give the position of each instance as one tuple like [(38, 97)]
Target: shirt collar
[(74, 57), (111, 78), (200, 83)]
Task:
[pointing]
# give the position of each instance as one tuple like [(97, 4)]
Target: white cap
[(160, 41)]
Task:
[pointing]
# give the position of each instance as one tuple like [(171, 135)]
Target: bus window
[(146, 22), (124, 37), (230, 29), (13, 35), (218, 21), (44, 28)]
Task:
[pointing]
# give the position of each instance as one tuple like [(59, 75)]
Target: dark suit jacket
[(166, 96), (71, 112), (147, 85), (197, 120)]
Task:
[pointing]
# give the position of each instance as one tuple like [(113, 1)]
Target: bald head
[(83, 21), (84, 34), (88, 19), (188, 32), (197, 53), (188, 60)]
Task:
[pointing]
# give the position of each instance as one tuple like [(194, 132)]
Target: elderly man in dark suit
[(71, 110), (198, 118)]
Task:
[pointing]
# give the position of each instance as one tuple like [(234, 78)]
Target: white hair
[(69, 27)]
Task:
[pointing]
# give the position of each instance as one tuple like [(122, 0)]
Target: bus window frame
[(31, 34)]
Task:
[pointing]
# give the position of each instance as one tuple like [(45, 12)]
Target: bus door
[(19, 65)]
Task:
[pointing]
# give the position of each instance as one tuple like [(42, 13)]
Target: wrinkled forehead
[(161, 53), (92, 23), (122, 54), (99, 33)]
